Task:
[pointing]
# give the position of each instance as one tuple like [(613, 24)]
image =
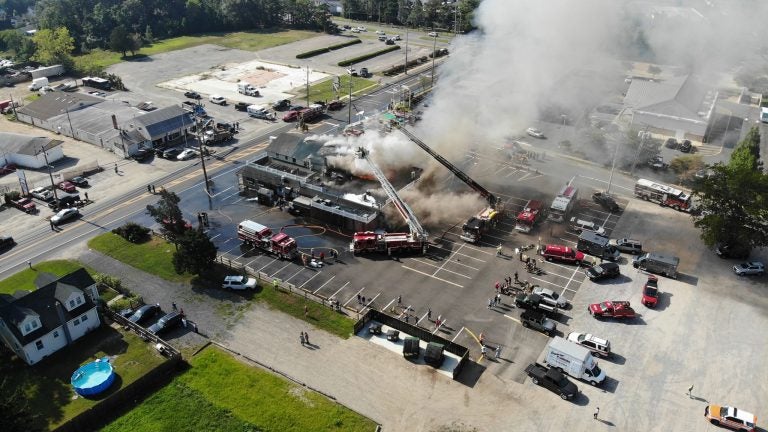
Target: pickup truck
[(537, 320), (534, 301), (552, 380), (611, 309), (25, 204)]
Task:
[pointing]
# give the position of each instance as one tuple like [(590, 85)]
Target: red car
[(611, 309), (651, 292), (25, 204), (67, 187), (291, 116), (7, 169)]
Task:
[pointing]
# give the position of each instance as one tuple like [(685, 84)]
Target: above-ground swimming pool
[(93, 378)]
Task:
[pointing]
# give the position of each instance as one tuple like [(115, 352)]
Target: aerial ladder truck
[(481, 223), (414, 241)]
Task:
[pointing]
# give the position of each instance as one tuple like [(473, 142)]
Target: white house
[(36, 324), (27, 151)]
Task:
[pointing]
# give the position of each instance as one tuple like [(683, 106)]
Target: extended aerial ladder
[(417, 231), (483, 221)]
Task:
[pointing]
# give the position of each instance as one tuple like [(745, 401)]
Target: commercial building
[(29, 151)]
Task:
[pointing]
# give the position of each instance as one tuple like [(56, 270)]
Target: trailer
[(48, 71), (528, 217), (261, 237)]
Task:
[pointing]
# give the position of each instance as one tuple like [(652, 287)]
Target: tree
[(120, 40), (13, 404), (416, 16), (168, 214), (686, 166), (734, 200), (53, 46), (135, 43), (148, 37), (195, 254)]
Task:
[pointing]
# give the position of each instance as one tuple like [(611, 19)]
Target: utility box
[(411, 348), (433, 355)]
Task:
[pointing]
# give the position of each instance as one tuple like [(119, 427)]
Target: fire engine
[(257, 235), (564, 202), (527, 218), (662, 194)]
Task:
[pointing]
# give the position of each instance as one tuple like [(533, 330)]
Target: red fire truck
[(257, 235), (370, 241), (528, 217), (666, 196)]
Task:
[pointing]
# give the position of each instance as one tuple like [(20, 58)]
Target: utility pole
[(349, 102), (50, 174), (202, 160), (434, 56), (613, 167), (307, 86), (406, 49)]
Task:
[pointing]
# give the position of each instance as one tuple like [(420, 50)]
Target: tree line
[(450, 15)]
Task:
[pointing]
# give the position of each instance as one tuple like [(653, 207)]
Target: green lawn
[(25, 279), (47, 385), (323, 91), (249, 41), (154, 256), (221, 393)]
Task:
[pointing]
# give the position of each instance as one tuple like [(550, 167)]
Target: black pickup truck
[(537, 320), (552, 380), (534, 301)]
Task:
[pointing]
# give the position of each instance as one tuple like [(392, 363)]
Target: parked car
[(241, 106), (7, 169), (63, 201), (291, 116), (364, 71), (67, 187), (611, 309), (657, 163), (282, 104), (362, 28), (671, 143), (41, 193), (335, 105), (651, 292), (608, 270), (686, 146), (142, 154), (187, 154), (218, 100), (79, 181), (537, 320), (144, 313), (25, 204), (562, 253), (749, 268), (192, 95), (552, 380), (239, 283), (534, 133), (171, 153), (167, 322), (598, 346), (550, 297), (6, 242), (606, 201), (63, 215), (433, 34), (634, 247), (386, 42), (731, 417)]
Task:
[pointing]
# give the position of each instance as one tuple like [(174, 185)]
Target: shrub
[(133, 232), (319, 51), (364, 57), (125, 303), (109, 280)]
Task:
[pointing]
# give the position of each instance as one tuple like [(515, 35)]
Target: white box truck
[(38, 83), (574, 360), (247, 89)]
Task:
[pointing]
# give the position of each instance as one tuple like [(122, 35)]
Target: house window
[(71, 303), (34, 324), (84, 318), (39, 345), (55, 333), (79, 300), (77, 321), (27, 327)]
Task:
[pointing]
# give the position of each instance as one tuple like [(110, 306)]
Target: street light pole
[(202, 160), (349, 101), (406, 49), (434, 56), (307, 86), (613, 167), (50, 174)]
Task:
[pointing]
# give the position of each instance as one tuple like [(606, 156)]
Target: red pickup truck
[(612, 309), (25, 204)]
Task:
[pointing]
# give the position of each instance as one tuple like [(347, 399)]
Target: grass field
[(47, 385), (25, 279), (154, 256), (249, 41), (323, 91), (223, 394)]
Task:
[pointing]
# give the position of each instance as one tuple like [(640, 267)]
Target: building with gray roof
[(27, 151)]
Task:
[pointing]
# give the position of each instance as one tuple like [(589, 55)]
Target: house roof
[(56, 103), (682, 96), (294, 146), (26, 144), (159, 122), (45, 303)]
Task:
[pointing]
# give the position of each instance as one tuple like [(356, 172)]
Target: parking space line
[(457, 334), (547, 282), (438, 327), (227, 251), (433, 277), (307, 281), (449, 260), (567, 241), (405, 311), (342, 287), (370, 302), (468, 247), (300, 270), (217, 235), (558, 275), (252, 261), (458, 263), (513, 319), (561, 266), (266, 265), (353, 295), (571, 279), (422, 317), (464, 255), (281, 269), (230, 196), (485, 243), (385, 307), (321, 286), (449, 271)]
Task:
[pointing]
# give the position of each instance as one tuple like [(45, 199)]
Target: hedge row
[(326, 49), (396, 69), (348, 62)]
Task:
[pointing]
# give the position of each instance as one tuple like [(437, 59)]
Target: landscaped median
[(220, 393), (370, 55), (323, 91), (308, 54)]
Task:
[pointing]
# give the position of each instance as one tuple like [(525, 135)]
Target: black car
[(671, 143), (281, 105), (606, 201), (606, 270), (142, 154), (192, 95), (241, 106), (79, 181), (144, 313), (165, 323), (686, 146), (64, 201), (552, 380), (171, 153), (6, 242)]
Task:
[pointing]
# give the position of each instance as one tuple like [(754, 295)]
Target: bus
[(563, 203), (666, 196)]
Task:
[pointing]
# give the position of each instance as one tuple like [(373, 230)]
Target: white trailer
[(38, 83), (48, 71), (574, 360)]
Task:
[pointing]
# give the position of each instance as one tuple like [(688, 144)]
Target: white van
[(38, 83)]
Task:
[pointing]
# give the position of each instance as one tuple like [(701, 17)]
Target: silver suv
[(579, 225)]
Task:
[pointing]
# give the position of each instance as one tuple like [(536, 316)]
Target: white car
[(63, 215), (550, 297), (239, 283), (749, 268), (355, 30), (218, 100), (396, 37), (379, 32), (534, 133), (361, 28), (187, 154), (41, 193), (432, 34)]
